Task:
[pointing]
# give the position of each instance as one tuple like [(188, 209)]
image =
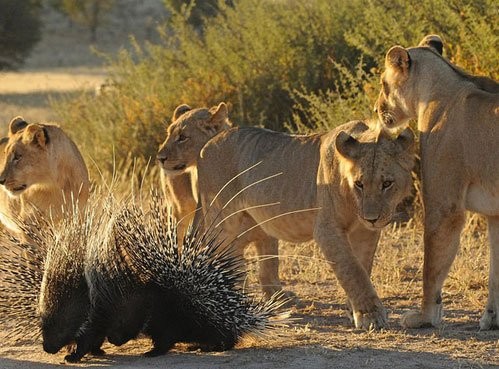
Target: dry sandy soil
[(321, 336)]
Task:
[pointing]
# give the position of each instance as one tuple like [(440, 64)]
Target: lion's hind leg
[(490, 317), (267, 249), (442, 233)]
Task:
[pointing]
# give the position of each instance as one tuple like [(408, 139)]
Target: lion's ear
[(398, 58), (36, 134), (347, 146), (179, 110), (221, 113), (405, 140), (16, 125), (433, 42), (219, 118)]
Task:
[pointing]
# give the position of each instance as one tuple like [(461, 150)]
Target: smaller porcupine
[(21, 271), (141, 283), (43, 288)]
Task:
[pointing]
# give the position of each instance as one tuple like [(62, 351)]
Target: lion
[(8, 205), (339, 188), (189, 130), (458, 117), (42, 173)]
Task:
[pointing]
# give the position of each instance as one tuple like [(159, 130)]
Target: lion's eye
[(16, 157), (182, 138), (387, 184), (359, 185)]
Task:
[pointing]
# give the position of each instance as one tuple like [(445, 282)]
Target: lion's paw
[(489, 320), (376, 319), (415, 319), (349, 312)]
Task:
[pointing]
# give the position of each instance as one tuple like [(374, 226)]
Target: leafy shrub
[(468, 27), (469, 30), (280, 64), (198, 11), (252, 55), (349, 100)]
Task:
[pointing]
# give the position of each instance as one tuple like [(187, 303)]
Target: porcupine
[(141, 283), (21, 271), (43, 288)]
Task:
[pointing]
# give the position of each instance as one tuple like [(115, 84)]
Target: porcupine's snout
[(50, 347)]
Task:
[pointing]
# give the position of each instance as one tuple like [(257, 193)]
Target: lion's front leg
[(490, 317), (368, 311), (364, 243)]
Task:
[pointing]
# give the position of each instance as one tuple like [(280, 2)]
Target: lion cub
[(41, 172), (177, 156), (340, 188)]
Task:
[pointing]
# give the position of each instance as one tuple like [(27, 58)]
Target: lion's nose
[(371, 218), (161, 158)]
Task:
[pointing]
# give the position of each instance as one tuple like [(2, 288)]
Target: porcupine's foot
[(224, 345), (220, 345), (97, 351), (73, 357), (160, 347), (155, 351)]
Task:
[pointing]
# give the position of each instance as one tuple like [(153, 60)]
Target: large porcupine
[(140, 282)]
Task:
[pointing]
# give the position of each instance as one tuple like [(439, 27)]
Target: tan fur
[(189, 130), (41, 172), (317, 180), (458, 117)]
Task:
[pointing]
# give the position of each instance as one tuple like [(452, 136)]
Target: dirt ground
[(321, 336)]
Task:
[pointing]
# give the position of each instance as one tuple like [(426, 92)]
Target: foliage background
[(19, 31), (285, 65)]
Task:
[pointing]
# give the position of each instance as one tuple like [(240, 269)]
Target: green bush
[(199, 10), (351, 99), (280, 64), (252, 55), (469, 29)]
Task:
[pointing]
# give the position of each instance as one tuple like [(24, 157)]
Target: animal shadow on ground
[(314, 356)]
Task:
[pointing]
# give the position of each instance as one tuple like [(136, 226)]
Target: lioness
[(189, 131), (339, 188), (41, 170), (458, 117)]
